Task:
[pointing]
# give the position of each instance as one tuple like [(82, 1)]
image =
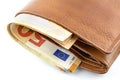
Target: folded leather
[(95, 22)]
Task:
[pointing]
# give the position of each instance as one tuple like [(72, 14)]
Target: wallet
[(95, 22)]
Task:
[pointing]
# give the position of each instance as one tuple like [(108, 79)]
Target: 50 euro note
[(44, 48), (48, 28)]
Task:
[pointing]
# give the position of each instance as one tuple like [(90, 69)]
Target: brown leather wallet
[(95, 22)]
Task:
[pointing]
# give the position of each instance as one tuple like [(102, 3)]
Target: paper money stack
[(46, 39)]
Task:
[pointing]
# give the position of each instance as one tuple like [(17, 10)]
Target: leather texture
[(95, 22)]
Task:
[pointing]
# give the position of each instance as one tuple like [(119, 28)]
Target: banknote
[(50, 29), (38, 44)]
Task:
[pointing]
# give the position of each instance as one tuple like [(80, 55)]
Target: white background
[(16, 63)]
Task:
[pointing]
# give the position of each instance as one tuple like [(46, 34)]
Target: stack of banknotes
[(46, 39)]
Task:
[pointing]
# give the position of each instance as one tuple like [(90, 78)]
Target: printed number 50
[(39, 41)]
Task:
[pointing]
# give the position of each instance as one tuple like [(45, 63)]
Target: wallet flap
[(94, 21)]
